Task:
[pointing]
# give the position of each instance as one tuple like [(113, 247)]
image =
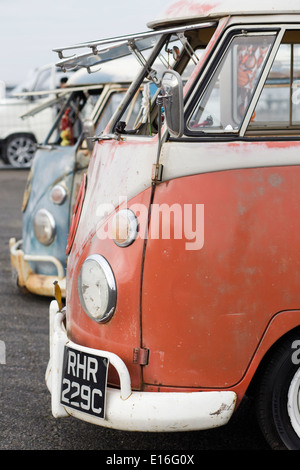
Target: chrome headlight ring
[(97, 288), (44, 227)]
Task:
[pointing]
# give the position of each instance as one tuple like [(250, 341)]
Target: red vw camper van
[(182, 289)]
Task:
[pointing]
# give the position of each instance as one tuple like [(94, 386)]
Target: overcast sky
[(30, 29)]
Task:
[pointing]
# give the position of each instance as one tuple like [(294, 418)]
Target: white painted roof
[(117, 71), (201, 9)]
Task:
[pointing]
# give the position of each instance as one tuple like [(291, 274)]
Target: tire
[(278, 397), (20, 150)]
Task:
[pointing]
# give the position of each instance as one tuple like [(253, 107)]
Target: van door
[(221, 258)]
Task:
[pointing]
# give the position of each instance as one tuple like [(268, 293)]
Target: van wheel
[(20, 150), (278, 398)]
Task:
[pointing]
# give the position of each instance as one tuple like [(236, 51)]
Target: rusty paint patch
[(190, 7), (275, 180)]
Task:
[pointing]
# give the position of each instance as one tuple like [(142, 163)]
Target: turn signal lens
[(124, 227), (58, 194)]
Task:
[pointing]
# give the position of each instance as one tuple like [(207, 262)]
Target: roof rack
[(116, 47)]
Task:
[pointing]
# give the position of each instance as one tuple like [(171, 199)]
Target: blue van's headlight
[(97, 288), (44, 227)]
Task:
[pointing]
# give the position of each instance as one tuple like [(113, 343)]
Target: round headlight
[(44, 227), (124, 227), (97, 288), (58, 194)]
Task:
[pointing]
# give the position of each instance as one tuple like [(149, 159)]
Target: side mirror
[(89, 132), (172, 100)]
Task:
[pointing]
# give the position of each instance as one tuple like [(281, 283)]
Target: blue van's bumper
[(36, 283)]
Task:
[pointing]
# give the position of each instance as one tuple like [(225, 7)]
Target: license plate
[(84, 379)]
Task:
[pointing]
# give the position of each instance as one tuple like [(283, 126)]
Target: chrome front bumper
[(36, 283), (133, 410)]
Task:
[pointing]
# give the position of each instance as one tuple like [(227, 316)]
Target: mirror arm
[(157, 167), (159, 102)]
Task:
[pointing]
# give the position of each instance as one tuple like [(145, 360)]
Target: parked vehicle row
[(19, 137), (179, 296), (83, 109)]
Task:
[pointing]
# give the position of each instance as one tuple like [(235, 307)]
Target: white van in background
[(18, 137)]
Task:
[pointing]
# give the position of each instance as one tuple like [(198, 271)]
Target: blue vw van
[(83, 109)]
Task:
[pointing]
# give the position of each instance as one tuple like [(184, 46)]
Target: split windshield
[(277, 108), (179, 49)]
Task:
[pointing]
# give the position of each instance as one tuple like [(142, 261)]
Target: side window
[(278, 107), (112, 103), (224, 102)]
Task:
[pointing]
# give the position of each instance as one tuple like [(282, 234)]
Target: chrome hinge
[(140, 356), (157, 170)]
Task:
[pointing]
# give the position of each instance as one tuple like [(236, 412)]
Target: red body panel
[(205, 311)]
